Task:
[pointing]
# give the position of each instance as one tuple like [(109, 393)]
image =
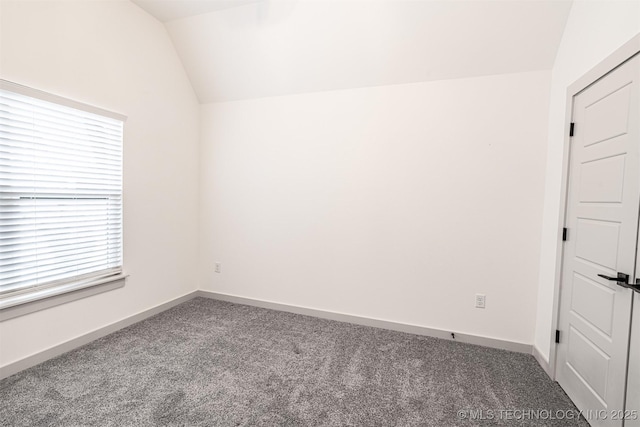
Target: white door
[(602, 218)]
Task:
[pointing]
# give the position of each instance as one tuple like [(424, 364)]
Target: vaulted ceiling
[(240, 49)]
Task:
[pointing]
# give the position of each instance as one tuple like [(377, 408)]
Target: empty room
[(319, 212)]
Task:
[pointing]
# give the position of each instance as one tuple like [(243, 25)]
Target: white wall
[(594, 30), (395, 202), (113, 55)]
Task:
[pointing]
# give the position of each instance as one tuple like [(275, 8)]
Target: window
[(60, 195)]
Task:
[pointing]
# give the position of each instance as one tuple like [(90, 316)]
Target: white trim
[(43, 356), (542, 361), (376, 323), (43, 303), (29, 295), (74, 343), (49, 97), (617, 58)]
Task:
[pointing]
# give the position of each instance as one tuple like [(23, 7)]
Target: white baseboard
[(35, 359), (376, 323), (50, 353), (542, 361)]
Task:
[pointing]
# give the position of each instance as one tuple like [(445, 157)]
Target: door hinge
[(571, 128), (557, 336), (565, 233)]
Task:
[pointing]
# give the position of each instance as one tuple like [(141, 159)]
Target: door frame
[(617, 58)]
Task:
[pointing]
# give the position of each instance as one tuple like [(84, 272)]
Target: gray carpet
[(211, 363)]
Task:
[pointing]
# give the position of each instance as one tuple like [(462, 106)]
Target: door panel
[(602, 217), (608, 116), (593, 301), (597, 241), (602, 180), (589, 362)]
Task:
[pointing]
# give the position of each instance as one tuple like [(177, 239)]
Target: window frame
[(54, 293)]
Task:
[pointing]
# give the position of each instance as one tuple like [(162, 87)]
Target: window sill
[(20, 305)]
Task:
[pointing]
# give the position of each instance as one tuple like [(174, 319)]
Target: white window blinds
[(60, 192)]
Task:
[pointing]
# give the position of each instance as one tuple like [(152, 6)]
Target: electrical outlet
[(480, 300), (218, 267)]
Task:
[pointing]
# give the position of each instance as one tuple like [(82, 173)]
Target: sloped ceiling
[(170, 10), (280, 47)]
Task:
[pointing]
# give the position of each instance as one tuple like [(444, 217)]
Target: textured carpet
[(213, 363)]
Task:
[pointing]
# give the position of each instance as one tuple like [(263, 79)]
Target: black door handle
[(620, 278)]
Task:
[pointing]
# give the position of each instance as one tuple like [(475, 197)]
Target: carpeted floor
[(212, 363)]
